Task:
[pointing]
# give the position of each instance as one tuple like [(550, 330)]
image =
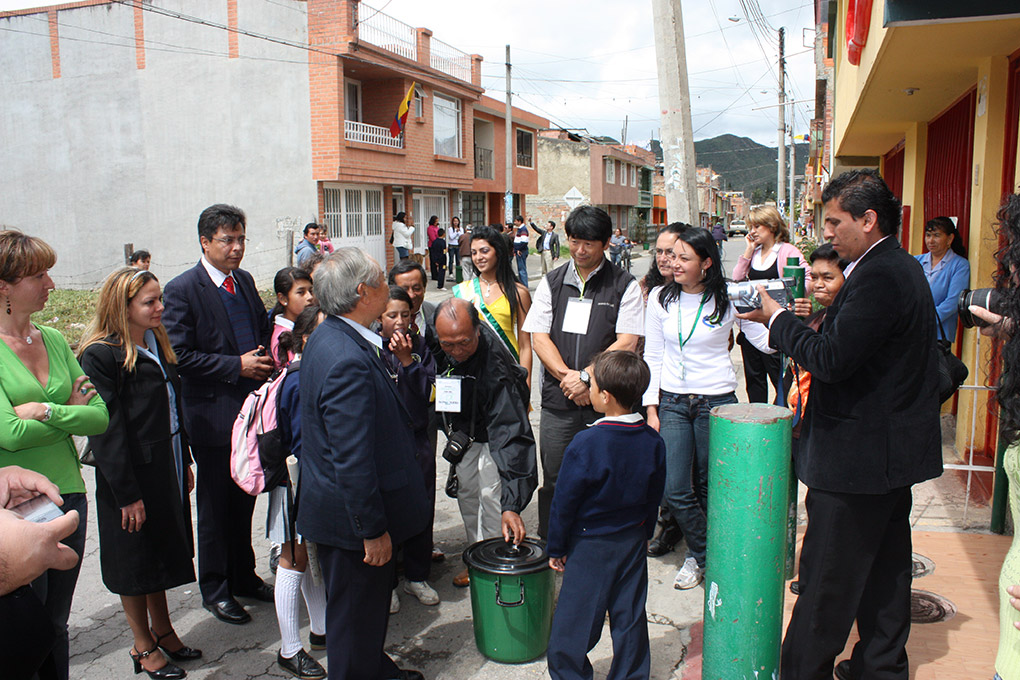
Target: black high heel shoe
[(183, 654), (167, 672)]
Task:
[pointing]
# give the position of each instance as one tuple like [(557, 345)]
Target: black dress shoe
[(183, 653), (668, 533), (167, 672), (301, 665), (263, 593), (228, 611), (842, 670), (316, 642)]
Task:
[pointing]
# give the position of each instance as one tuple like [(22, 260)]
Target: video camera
[(744, 294)]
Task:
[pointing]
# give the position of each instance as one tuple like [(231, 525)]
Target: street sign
[(573, 197)]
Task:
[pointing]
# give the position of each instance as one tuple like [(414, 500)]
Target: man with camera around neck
[(482, 402)]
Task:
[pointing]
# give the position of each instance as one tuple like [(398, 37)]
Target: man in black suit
[(218, 324), (360, 491), (871, 431)]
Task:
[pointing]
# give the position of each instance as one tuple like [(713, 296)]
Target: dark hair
[(552, 224), (433, 220), (398, 293), (293, 341), (309, 227), (588, 223), (654, 277), (449, 308), (454, 218), (399, 217), (139, 255), (283, 282), (859, 191), (441, 232), (623, 374), (1008, 258), (946, 226), (828, 253), (519, 218), (220, 215), (504, 270), (701, 241), (403, 267), (313, 260)]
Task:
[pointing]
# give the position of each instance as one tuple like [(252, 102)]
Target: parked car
[(737, 229)]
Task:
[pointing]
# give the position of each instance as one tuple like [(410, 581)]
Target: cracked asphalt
[(439, 640)]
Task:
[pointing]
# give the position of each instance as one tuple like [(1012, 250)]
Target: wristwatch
[(48, 414), (585, 378)]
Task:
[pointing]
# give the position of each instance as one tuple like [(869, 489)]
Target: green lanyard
[(680, 322), (583, 282)]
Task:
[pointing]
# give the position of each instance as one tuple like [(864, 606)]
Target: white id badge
[(448, 395), (576, 318)]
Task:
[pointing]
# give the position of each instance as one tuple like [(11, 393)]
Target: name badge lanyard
[(474, 406), (680, 333)]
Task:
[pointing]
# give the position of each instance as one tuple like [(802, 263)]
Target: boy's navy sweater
[(611, 479)]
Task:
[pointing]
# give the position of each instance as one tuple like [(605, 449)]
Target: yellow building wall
[(851, 81)]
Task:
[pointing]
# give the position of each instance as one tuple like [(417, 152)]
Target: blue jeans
[(401, 253), (522, 265), (683, 424), (56, 588)]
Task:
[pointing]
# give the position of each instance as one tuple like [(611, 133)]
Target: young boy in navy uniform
[(602, 515)]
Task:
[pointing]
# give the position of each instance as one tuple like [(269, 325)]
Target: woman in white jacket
[(687, 331), (402, 233)]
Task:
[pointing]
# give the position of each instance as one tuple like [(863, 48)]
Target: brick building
[(123, 122)]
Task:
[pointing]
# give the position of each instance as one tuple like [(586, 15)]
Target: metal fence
[(388, 33), (484, 167), (371, 134), (450, 60)]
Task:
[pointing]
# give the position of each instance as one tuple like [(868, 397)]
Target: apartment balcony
[(484, 166), (402, 39), (644, 199), (525, 160), (364, 133)]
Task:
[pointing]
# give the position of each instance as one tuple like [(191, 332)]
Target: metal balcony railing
[(371, 134), (450, 60), (525, 160), (388, 33), (484, 167), (644, 199)]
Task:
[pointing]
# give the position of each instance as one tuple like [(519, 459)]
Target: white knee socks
[(315, 601), (288, 585)]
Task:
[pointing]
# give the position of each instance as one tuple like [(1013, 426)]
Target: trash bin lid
[(496, 556)]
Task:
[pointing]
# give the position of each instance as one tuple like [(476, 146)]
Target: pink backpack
[(258, 454)]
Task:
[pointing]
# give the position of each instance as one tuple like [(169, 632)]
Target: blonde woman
[(764, 257), (143, 466), (44, 399)]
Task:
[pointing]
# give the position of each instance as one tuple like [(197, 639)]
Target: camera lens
[(985, 298)]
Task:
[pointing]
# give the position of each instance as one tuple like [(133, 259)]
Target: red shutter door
[(947, 172)]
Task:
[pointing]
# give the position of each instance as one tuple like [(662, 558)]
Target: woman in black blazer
[(143, 473)]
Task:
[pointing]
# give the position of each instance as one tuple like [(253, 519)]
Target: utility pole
[(793, 163), (623, 137), (508, 201), (781, 159), (675, 103)]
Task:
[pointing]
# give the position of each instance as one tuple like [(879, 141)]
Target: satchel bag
[(952, 371)]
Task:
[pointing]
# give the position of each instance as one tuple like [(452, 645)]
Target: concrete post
[(748, 487), (675, 102)]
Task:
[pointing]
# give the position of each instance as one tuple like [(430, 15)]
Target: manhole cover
[(922, 566), (926, 607)]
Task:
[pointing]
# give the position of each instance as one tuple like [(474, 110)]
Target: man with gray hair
[(361, 491)]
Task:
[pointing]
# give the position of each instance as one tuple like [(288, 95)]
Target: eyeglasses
[(463, 344), (229, 241)]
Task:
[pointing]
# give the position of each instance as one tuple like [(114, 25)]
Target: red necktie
[(228, 284)]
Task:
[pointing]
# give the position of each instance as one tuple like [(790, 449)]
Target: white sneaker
[(423, 591), (689, 575), (394, 602)]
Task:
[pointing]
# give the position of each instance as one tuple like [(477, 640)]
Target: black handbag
[(952, 371)]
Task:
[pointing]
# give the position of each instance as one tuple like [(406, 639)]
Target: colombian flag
[(401, 118)]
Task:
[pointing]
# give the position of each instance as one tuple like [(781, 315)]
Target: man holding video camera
[(871, 431), (482, 401)]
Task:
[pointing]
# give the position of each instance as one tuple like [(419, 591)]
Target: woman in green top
[(44, 399), (501, 300)]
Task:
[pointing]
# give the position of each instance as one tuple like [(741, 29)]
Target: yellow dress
[(498, 312), (1007, 661)]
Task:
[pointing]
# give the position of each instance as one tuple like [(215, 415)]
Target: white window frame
[(357, 85), (419, 102), (436, 98), (520, 131), (610, 171), (633, 175)]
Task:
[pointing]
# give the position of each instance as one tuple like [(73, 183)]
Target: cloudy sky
[(591, 64)]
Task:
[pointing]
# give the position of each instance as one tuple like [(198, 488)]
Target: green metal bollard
[(748, 489)]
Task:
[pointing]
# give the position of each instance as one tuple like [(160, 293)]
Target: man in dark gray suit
[(871, 431), (361, 491)]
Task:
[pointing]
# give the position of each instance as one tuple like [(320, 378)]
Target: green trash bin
[(511, 599)]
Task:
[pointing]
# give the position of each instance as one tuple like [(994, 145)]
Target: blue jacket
[(950, 278), (611, 479), (359, 477), (304, 250)]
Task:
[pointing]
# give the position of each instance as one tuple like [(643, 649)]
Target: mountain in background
[(745, 165)]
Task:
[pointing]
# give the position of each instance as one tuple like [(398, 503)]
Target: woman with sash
[(502, 301)]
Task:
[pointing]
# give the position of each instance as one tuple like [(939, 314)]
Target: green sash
[(478, 301)]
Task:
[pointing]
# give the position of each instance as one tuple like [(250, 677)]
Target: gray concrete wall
[(110, 154), (562, 164)]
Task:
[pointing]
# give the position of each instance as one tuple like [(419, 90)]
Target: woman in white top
[(687, 330), (402, 242)]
